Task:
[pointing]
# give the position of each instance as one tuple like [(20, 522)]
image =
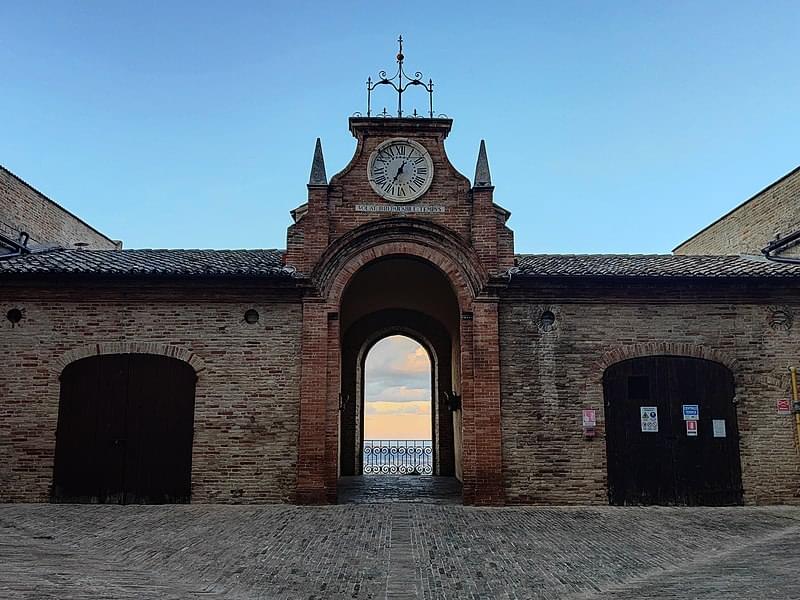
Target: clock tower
[(424, 245)]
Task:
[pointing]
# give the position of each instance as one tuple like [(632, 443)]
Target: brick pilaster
[(311, 450), (334, 375), (483, 458), (469, 447)]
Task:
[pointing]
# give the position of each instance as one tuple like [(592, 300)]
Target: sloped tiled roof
[(187, 263), (650, 265), (269, 263)]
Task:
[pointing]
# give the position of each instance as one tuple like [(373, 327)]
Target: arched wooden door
[(125, 425), (654, 455)]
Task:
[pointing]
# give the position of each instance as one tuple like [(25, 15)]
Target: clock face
[(400, 170)]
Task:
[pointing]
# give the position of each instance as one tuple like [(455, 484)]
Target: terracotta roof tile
[(650, 265), (188, 263), (269, 263)]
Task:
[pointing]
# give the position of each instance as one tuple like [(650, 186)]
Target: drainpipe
[(795, 406), (779, 245)]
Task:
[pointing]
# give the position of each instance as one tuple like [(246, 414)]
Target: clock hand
[(400, 170)]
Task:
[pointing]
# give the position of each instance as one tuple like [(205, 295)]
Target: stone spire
[(318, 176), (483, 178)]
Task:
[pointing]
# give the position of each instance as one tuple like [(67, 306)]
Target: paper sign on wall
[(691, 412), (589, 418), (784, 407), (719, 428), (649, 419), (691, 428)]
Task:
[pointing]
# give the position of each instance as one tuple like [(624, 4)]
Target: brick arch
[(642, 350), (401, 237), (98, 349)]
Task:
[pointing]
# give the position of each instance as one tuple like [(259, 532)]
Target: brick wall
[(548, 377), (246, 404), (332, 209), (23, 208), (751, 226)]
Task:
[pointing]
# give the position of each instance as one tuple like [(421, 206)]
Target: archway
[(671, 432), (125, 427), (398, 428), (468, 312), (401, 295)]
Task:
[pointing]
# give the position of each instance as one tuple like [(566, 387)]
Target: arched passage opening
[(672, 434), (125, 428), (401, 296), (398, 426)]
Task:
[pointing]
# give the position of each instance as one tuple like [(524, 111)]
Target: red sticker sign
[(691, 428)]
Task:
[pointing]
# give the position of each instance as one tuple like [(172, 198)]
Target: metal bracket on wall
[(452, 400)]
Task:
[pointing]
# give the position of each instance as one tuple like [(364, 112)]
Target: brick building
[(773, 213), (31, 219), (237, 376)]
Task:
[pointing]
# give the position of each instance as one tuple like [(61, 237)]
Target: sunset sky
[(398, 391)]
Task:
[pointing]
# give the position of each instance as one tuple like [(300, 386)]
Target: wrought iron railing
[(398, 457)]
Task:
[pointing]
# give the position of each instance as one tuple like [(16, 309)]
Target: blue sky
[(610, 126)]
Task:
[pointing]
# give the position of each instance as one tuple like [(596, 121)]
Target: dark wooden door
[(124, 432), (669, 466)]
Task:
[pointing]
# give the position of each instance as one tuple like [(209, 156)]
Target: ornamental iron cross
[(400, 77)]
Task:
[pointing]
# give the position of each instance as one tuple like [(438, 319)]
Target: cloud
[(397, 369), (398, 390), (398, 408), (398, 427), (397, 393)]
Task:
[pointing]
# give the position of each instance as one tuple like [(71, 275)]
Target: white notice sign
[(649, 419), (719, 428)]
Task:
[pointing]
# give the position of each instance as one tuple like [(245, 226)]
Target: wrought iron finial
[(400, 77)]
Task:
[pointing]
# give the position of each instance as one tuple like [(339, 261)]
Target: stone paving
[(382, 489), (397, 550)]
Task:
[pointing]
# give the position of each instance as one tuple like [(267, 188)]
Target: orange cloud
[(386, 409), (398, 427)]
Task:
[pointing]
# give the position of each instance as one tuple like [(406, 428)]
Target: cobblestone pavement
[(374, 489), (397, 550)]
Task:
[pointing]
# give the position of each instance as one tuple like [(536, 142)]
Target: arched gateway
[(672, 432), (124, 433), (426, 268)]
